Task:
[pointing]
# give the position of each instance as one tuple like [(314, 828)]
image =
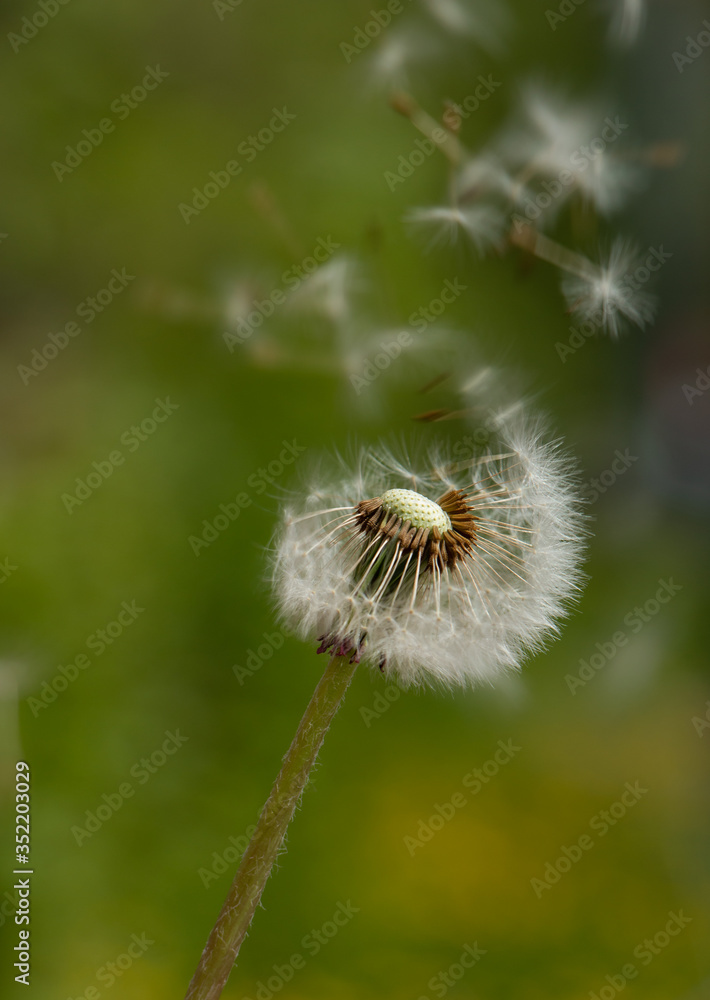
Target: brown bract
[(436, 550)]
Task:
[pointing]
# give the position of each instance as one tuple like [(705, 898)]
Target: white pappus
[(445, 570)]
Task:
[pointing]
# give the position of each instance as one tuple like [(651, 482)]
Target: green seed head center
[(417, 509)]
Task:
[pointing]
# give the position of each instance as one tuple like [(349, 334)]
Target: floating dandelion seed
[(486, 175), (627, 21), (446, 573), (400, 50), (482, 223), (485, 22), (390, 60), (330, 289), (610, 293), (556, 138)]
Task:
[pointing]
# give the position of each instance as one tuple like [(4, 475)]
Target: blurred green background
[(171, 668)]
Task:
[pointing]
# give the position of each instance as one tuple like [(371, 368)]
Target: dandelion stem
[(554, 253), (243, 898), (442, 137)]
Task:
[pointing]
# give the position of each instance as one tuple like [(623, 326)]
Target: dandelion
[(447, 571), (440, 571), (608, 294)]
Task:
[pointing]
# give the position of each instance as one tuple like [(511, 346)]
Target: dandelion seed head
[(438, 569), (407, 505)]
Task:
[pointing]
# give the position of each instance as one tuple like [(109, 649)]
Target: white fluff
[(553, 138), (462, 627), (485, 21), (609, 296), (628, 17), (484, 224)]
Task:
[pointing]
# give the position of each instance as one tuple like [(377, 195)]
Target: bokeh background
[(67, 573)]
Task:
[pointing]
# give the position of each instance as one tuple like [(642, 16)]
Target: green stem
[(243, 898)]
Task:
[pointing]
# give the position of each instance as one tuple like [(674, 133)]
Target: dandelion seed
[(330, 289), (482, 223), (437, 571), (610, 294), (238, 302), (486, 175), (401, 48), (556, 139), (627, 21), (483, 21), (546, 131)]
